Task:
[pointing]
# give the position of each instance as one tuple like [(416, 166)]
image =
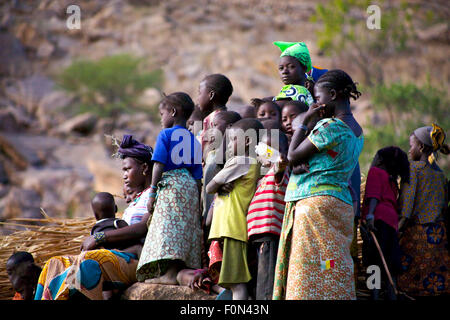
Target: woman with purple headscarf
[(86, 275)]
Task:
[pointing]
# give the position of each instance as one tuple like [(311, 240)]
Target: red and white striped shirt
[(266, 210)]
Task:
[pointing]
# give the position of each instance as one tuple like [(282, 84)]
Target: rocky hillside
[(57, 162)]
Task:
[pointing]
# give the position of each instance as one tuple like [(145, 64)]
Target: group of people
[(262, 202)]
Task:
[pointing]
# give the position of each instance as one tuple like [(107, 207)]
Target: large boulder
[(49, 112), (20, 150), (82, 124), (64, 191), (21, 203), (147, 291), (13, 60), (29, 91)]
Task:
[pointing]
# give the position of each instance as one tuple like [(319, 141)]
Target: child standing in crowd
[(214, 158), (247, 111), (266, 109), (424, 242), (380, 212), (290, 111), (294, 63), (265, 213), (229, 224), (213, 94), (173, 239), (105, 210), (196, 116)]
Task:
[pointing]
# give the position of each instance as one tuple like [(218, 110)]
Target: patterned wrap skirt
[(174, 231), (88, 273), (425, 260), (314, 261)]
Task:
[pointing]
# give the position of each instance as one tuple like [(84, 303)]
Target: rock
[(107, 175), (28, 34), (3, 176), (45, 49), (150, 97), (14, 119), (13, 61), (10, 170), (50, 107), (18, 149), (65, 192), (30, 91), (437, 32), (147, 291), (7, 121), (82, 124), (21, 203)]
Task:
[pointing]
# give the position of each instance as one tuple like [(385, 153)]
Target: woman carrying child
[(314, 259), (423, 202), (84, 275), (173, 240)]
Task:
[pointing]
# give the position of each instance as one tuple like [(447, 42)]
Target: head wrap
[(295, 92), (298, 50), (134, 149), (432, 136)]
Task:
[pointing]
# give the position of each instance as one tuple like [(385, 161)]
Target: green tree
[(109, 85), (408, 106), (343, 34)]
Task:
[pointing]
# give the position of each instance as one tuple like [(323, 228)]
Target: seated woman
[(91, 272)]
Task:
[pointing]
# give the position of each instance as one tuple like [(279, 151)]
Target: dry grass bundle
[(55, 236)]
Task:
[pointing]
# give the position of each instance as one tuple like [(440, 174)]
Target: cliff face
[(63, 161)]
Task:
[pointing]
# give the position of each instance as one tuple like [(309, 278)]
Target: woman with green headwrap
[(294, 63), (423, 201)]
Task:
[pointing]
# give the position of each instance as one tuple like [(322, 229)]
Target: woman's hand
[(314, 113), (150, 204), (226, 188), (88, 244)]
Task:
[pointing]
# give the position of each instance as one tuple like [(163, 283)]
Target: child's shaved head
[(104, 206)]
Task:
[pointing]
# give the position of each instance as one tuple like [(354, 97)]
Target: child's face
[(204, 97), (167, 116), (235, 140), (323, 96), (291, 71), (268, 110), (129, 194), (288, 115), (190, 125), (219, 123), (20, 276)]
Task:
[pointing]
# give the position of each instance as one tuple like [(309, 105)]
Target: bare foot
[(170, 277), (163, 280)]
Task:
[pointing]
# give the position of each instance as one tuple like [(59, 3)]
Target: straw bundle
[(55, 236)]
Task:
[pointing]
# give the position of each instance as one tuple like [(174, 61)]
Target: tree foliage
[(110, 84)]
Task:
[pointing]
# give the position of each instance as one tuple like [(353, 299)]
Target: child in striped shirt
[(266, 211)]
